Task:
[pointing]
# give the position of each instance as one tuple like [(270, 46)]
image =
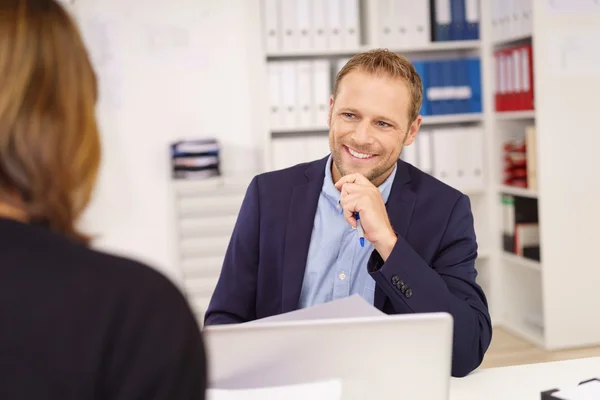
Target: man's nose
[(362, 133)]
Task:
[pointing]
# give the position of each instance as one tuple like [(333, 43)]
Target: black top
[(79, 324)]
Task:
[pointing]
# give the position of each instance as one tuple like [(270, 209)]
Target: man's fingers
[(349, 216), (351, 178)]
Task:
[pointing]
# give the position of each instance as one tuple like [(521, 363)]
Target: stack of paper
[(327, 390)]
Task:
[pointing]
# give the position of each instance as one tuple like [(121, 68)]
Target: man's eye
[(348, 115), (383, 124)]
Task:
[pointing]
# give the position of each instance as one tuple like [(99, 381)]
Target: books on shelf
[(520, 159), (195, 159), (319, 25), (454, 19), (299, 94), (450, 86), (511, 19), (452, 155), (514, 78), (520, 226), (300, 25)]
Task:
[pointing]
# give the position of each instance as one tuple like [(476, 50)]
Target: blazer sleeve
[(234, 298), (448, 285)]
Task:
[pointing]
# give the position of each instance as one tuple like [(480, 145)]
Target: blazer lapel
[(300, 221), (400, 206)]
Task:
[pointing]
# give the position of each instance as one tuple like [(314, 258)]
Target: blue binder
[(458, 28), (447, 80), (441, 32), (474, 70), (434, 78), (421, 68), (462, 80)]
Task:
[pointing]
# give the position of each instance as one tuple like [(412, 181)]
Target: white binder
[(289, 25), (306, 111), (289, 94), (423, 145), (419, 23), (289, 151), (350, 24), (303, 20), (272, 27), (334, 18), (319, 24), (401, 26), (321, 91), (275, 95)]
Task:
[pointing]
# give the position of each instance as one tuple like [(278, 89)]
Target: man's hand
[(359, 195)]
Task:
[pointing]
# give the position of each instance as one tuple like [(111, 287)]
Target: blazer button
[(408, 292), (395, 279), (403, 289)]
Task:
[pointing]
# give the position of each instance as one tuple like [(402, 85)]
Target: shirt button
[(342, 276)]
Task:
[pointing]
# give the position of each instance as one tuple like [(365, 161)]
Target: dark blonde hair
[(49, 144), (382, 61)]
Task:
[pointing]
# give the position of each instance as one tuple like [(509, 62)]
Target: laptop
[(381, 357)]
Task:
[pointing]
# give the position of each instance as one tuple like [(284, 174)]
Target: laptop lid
[(388, 357)]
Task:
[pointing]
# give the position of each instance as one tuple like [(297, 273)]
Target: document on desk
[(326, 390), (585, 391), (349, 307)]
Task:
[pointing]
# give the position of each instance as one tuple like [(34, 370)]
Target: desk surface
[(523, 381)]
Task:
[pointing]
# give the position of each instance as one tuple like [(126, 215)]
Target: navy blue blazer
[(431, 268)]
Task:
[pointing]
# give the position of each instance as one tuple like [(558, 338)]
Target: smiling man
[(295, 244)]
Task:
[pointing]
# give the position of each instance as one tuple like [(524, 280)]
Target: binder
[(519, 94), (317, 147), (474, 76), (334, 23), (350, 24), (289, 151), (275, 95), (528, 85), (319, 24), (304, 88), (445, 160), (289, 94), (422, 144), (419, 23), (472, 17), (409, 154), (441, 15), (271, 24), (303, 24), (421, 68), (462, 91), (400, 36), (321, 91), (448, 84), (386, 15), (289, 25), (458, 25), (434, 94)]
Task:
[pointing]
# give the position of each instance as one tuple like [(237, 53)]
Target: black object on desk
[(549, 394)]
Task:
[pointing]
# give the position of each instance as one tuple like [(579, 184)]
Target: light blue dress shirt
[(337, 265)]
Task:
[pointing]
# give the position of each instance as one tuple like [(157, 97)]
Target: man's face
[(369, 125)]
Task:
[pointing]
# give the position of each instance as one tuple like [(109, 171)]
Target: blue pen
[(359, 228)]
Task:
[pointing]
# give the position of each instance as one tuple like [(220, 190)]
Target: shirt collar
[(333, 195)]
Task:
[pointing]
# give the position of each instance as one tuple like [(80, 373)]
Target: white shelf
[(431, 47), (427, 120), (510, 40), (522, 261), (515, 115), (451, 119), (517, 191)]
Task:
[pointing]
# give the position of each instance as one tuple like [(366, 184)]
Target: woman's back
[(79, 324)]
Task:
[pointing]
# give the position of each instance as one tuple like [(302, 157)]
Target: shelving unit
[(529, 295)]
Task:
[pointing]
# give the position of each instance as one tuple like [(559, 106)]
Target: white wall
[(169, 69)]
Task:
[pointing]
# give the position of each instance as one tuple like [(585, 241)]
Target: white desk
[(523, 382)]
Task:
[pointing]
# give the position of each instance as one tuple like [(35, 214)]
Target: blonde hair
[(382, 61), (49, 142)]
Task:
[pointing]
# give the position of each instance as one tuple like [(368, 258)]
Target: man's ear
[(331, 101), (413, 130)]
